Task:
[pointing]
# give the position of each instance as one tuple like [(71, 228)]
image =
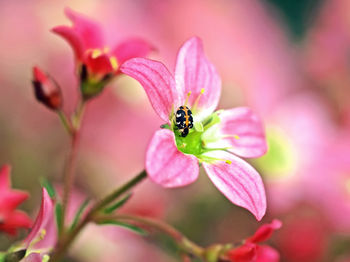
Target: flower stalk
[(186, 245), (69, 172), (68, 238)]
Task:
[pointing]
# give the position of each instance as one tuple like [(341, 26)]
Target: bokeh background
[(288, 60)]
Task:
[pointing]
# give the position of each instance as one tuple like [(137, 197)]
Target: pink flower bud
[(46, 90)]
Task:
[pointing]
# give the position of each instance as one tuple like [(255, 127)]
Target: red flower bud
[(46, 90)]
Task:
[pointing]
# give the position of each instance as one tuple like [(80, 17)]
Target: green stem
[(65, 122), (183, 242), (69, 171), (66, 240), (118, 192)]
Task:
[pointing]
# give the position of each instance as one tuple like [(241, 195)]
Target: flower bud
[(46, 90)]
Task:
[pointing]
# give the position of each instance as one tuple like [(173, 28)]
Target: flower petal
[(238, 181), (265, 231), (89, 31), (193, 73), (73, 39), (33, 257), (166, 165), (44, 225), (244, 253), (266, 253), (100, 65), (157, 81), (134, 47), (242, 132)]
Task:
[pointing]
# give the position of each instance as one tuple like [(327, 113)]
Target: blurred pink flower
[(328, 183), (172, 160), (251, 250), (304, 236), (10, 218), (43, 235), (87, 42)]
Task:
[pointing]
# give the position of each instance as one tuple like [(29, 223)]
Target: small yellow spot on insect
[(114, 62), (228, 162)]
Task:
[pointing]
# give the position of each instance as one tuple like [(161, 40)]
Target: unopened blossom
[(97, 62), (46, 90), (252, 251), (43, 236), (11, 219), (195, 134)]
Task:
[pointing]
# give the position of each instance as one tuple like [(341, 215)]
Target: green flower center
[(194, 143)]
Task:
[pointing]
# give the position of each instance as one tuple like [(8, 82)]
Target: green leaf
[(59, 216), (79, 213), (133, 228), (117, 205), (49, 187)]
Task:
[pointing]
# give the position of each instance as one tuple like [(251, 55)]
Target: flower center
[(193, 142), (97, 52)]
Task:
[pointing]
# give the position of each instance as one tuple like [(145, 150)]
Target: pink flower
[(10, 218), (251, 250), (33, 257), (86, 39), (43, 235), (173, 155)]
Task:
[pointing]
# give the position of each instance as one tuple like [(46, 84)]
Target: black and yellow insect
[(184, 120)]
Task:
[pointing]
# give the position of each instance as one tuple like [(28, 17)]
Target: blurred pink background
[(298, 83)]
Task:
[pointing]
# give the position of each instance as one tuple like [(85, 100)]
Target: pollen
[(202, 91), (228, 162), (114, 62), (96, 53), (236, 136)]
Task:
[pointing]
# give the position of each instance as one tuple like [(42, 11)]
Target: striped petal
[(242, 132), (238, 181), (158, 83), (166, 165), (193, 73)]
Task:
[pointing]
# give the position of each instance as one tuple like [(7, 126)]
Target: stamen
[(40, 237), (96, 53), (229, 136), (114, 62), (187, 97), (197, 99), (210, 159), (46, 258)]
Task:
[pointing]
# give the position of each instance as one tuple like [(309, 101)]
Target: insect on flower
[(195, 133), (184, 120)]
